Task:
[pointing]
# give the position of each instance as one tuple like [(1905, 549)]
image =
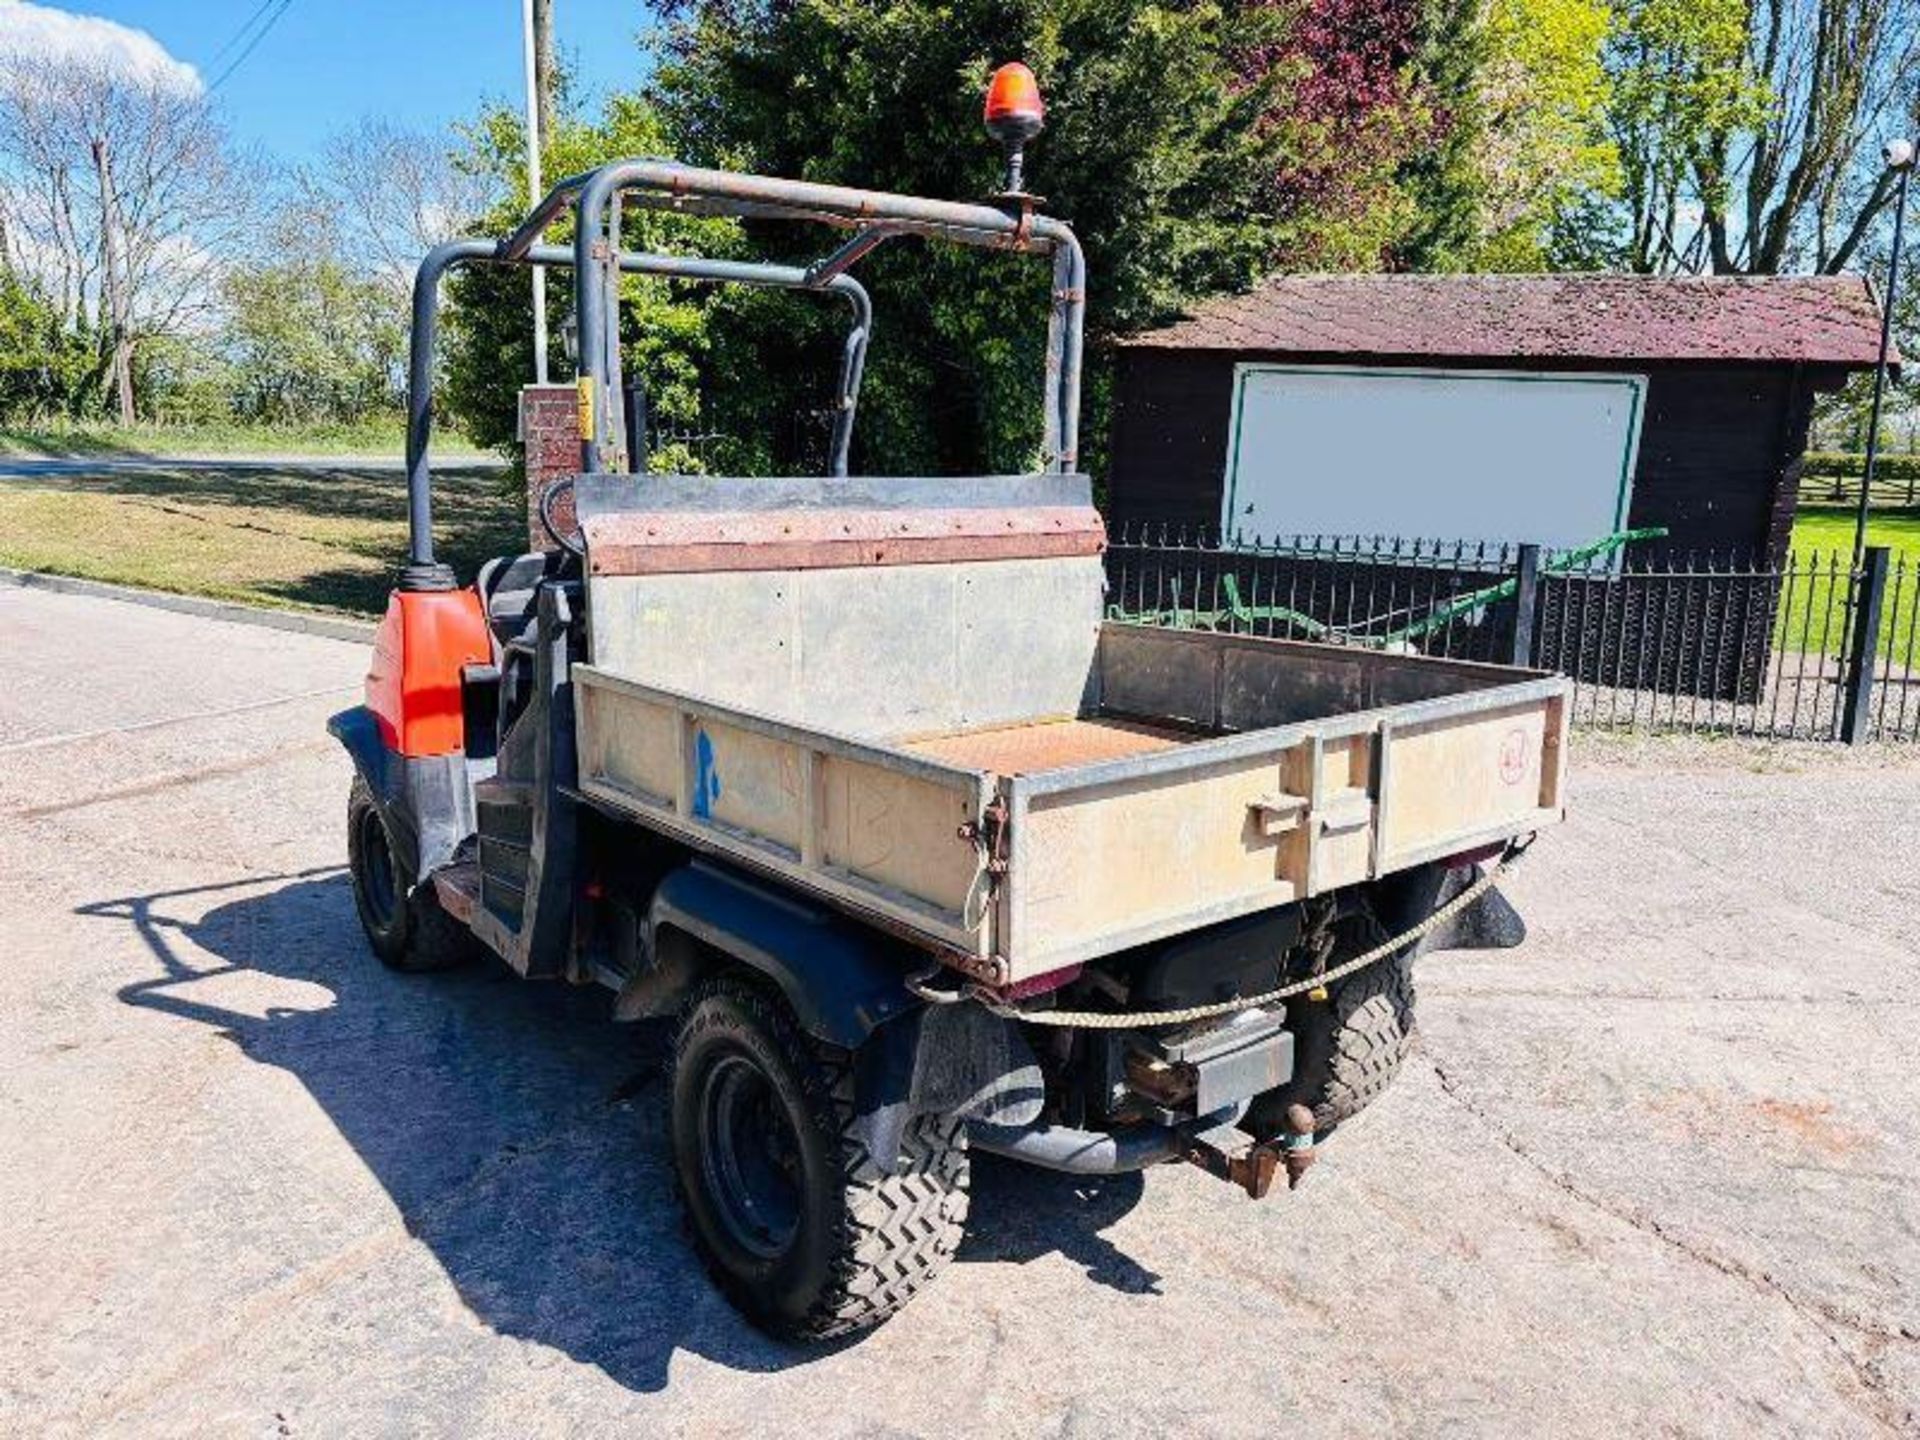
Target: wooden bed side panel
[(630, 742), (1153, 854), (858, 824), (897, 831), (1451, 782)]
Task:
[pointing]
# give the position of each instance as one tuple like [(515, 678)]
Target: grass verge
[(323, 540), (68, 440)]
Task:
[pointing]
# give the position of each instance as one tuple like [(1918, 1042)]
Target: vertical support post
[(1869, 600), (635, 394), (1526, 599), (1056, 359), (616, 414)]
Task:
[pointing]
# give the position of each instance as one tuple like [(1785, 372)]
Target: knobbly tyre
[(852, 780)]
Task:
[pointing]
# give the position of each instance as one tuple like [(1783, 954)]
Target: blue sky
[(325, 63)]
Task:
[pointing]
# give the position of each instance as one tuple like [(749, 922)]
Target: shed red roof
[(1823, 320)]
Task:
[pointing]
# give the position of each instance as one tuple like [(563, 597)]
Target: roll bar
[(875, 216), (422, 571), (1011, 223)]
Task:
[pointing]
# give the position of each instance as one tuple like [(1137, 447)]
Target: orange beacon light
[(1014, 114)]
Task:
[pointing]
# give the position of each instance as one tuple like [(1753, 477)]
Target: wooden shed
[(1487, 407)]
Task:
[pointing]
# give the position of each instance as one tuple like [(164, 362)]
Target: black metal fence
[(1809, 649)]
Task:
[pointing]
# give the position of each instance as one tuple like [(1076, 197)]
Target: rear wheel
[(1364, 1036), (1349, 1046), (406, 926), (799, 1227)]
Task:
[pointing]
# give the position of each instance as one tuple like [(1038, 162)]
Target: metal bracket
[(1280, 813), (988, 835), (1228, 1153)]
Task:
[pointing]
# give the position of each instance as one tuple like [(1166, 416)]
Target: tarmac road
[(1657, 1172)]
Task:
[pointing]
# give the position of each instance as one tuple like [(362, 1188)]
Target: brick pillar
[(550, 433)]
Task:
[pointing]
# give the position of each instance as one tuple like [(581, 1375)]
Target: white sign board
[(1430, 454)]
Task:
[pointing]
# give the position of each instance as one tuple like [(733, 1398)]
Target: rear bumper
[(1190, 1087), (1074, 1151)]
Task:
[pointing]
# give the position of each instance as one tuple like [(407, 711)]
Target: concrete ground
[(1657, 1172)]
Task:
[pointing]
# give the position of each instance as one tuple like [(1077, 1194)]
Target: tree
[(1680, 81), (1440, 178), (1348, 103), (308, 339), (1521, 157), (488, 352), (1749, 129), (127, 191), (46, 367), (1543, 144), (1194, 147), (391, 194)]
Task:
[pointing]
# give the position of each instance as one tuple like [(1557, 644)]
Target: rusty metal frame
[(717, 523), (422, 571), (875, 216), (700, 541)]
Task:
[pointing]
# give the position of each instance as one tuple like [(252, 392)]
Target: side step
[(504, 811), (457, 887)]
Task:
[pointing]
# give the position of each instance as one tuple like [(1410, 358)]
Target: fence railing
[(1809, 648), (1834, 478)]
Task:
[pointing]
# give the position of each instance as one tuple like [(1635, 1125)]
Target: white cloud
[(47, 32)]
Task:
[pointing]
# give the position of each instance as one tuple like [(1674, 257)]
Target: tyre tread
[(897, 1228), (1373, 1034)]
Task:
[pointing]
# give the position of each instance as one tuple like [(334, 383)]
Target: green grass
[(327, 540), (67, 439), (1829, 528), (1813, 617)]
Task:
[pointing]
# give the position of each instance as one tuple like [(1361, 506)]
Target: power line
[(240, 34), (280, 8)]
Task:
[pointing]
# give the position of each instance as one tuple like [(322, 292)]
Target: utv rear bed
[(1013, 782)]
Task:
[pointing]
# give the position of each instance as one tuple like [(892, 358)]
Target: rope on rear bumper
[(1151, 1019)]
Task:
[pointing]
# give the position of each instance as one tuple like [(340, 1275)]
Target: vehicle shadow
[(518, 1131)]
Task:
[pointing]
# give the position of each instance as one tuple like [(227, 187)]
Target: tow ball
[(1230, 1153)]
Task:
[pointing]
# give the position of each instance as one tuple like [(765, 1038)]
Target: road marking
[(175, 778), (75, 736)]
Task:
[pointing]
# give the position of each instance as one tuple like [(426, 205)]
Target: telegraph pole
[(536, 18)]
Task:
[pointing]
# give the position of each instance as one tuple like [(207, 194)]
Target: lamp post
[(1898, 155)]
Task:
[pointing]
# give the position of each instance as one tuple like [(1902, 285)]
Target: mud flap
[(953, 1059), (1489, 923)]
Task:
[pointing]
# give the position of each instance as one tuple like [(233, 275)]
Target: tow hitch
[(1230, 1153)]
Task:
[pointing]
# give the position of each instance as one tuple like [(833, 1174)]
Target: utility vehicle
[(853, 781)]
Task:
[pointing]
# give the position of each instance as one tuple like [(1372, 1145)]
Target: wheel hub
[(750, 1157)]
